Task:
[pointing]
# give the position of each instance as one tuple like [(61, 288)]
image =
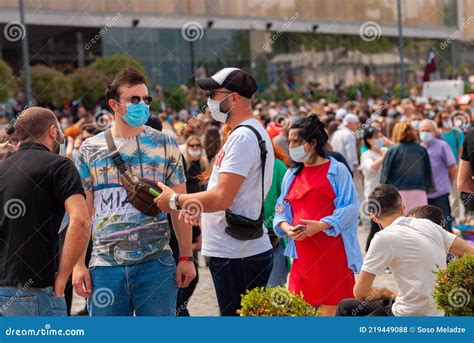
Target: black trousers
[(359, 308), (233, 276)]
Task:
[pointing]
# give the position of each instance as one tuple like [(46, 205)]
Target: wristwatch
[(186, 258), (173, 204)]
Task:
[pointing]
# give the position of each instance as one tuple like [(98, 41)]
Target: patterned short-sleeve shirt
[(122, 234)]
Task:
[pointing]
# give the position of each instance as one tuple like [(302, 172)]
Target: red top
[(320, 271)]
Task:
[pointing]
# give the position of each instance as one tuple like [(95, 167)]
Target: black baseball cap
[(234, 79)]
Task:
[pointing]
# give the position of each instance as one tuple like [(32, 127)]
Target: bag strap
[(263, 157), (116, 158)]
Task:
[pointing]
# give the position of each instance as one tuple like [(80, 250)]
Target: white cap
[(341, 113), (350, 118)]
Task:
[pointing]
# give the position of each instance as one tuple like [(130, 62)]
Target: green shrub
[(175, 97), (90, 82), (454, 288), (49, 85), (274, 302), (7, 81)]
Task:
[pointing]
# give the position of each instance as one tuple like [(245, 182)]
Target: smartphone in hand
[(298, 228)]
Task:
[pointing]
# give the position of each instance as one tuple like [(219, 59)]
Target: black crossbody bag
[(240, 227)]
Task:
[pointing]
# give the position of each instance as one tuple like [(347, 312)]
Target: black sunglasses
[(194, 145), (135, 99)]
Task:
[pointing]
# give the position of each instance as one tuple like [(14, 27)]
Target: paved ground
[(203, 302)]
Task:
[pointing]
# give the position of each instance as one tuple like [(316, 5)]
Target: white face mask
[(194, 153), (215, 109), (298, 154), (426, 137)]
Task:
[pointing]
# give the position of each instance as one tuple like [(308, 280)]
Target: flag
[(430, 66)]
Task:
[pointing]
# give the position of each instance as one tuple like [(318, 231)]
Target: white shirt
[(371, 177), (344, 142), (239, 155), (412, 248)]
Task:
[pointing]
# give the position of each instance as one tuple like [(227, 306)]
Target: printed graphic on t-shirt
[(122, 234)]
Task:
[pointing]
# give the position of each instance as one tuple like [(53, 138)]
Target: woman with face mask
[(371, 162), (318, 210), (195, 162)]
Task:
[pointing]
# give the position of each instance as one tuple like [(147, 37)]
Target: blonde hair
[(403, 132)]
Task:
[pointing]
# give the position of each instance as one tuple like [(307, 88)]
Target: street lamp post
[(400, 49), (26, 55)]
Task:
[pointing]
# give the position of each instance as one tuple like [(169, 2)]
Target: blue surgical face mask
[(426, 137), (298, 154), (137, 114), (415, 124), (378, 143), (446, 124), (295, 118)]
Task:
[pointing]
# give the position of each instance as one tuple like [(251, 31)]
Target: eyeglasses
[(135, 99), (213, 93), (194, 145)]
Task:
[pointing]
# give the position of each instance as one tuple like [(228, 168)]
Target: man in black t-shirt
[(466, 166), (37, 186)]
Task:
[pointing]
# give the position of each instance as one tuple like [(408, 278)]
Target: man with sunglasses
[(131, 271), (236, 183)]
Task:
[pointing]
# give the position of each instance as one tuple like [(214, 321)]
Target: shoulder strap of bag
[(263, 157), (119, 163)]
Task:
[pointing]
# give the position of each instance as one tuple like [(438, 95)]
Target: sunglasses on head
[(135, 99)]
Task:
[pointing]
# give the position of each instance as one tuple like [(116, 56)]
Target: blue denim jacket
[(343, 221)]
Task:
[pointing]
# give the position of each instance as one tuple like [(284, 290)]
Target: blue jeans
[(144, 289), (233, 276), (443, 203), (25, 301), (279, 274)]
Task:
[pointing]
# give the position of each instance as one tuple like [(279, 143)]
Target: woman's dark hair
[(309, 129), (370, 133), (212, 142)]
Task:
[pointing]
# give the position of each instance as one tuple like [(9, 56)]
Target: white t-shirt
[(371, 177), (412, 248), (344, 142), (239, 155)]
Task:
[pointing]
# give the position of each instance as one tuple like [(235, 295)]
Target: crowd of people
[(273, 193)]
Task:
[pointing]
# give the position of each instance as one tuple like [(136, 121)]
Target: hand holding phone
[(298, 228)]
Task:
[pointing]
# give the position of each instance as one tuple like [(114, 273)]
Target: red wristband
[(186, 258)]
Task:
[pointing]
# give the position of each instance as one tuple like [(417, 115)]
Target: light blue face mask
[(446, 124), (137, 114), (416, 124), (426, 136), (378, 143), (298, 154)]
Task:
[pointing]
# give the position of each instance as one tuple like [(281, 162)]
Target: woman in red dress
[(321, 271)]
